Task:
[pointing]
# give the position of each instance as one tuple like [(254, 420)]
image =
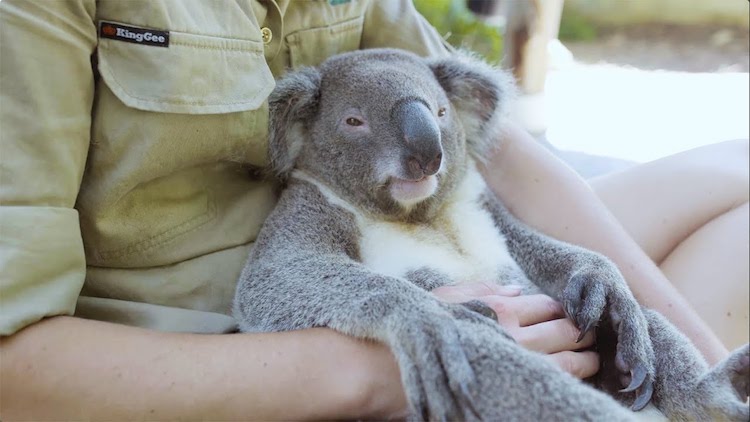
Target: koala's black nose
[(421, 136), (418, 165)]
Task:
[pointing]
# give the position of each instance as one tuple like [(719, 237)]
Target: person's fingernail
[(510, 290)]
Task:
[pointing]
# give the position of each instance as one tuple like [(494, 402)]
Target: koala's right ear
[(292, 104)]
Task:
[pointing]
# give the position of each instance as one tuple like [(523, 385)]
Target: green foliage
[(455, 22), (574, 27)]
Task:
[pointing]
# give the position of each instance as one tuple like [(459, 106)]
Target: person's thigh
[(710, 268), (689, 212), (663, 202)]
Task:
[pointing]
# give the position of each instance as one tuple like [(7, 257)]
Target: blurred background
[(609, 83)]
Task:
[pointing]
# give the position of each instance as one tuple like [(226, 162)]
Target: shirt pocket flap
[(195, 74), (310, 47)]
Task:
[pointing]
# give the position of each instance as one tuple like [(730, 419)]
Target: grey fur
[(306, 269)]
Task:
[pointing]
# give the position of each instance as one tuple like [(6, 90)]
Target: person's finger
[(529, 310), (553, 336), (465, 292), (579, 364), (480, 288)]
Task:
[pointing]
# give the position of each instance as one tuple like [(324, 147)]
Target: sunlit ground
[(611, 98), (641, 115)]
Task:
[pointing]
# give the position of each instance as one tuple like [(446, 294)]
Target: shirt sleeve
[(397, 24), (46, 95)]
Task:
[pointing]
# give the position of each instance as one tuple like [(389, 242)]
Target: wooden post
[(530, 26)]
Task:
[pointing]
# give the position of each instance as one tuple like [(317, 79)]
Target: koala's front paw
[(736, 368), (723, 391), (437, 375), (598, 289)]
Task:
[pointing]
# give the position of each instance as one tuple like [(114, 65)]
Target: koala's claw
[(584, 300), (481, 308), (599, 289), (637, 376), (644, 396), (639, 380), (585, 330)]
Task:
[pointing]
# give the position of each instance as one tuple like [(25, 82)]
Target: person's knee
[(738, 148), (731, 159)]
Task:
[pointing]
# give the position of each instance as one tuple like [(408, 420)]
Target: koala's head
[(387, 130)]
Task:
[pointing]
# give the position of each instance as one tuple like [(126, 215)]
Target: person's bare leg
[(711, 267), (689, 214)]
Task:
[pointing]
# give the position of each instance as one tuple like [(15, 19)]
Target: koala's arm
[(590, 288), (547, 194), (547, 262), (303, 273)]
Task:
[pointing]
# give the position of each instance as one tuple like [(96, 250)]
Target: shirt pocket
[(172, 128), (310, 47), (196, 74)]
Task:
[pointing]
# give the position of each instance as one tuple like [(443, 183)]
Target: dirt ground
[(669, 47)]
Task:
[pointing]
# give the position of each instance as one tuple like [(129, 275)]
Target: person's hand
[(536, 322)]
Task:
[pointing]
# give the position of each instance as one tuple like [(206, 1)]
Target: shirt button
[(266, 34)]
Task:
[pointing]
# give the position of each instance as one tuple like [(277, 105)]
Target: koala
[(382, 202)]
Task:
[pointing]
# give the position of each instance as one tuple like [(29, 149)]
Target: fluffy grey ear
[(481, 96), (292, 104)]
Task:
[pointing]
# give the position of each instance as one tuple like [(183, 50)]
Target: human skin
[(66, 368), (695, 227), (130, 373), (540, 189), (536, 322)]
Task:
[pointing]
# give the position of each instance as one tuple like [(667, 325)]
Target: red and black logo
[(116, 31)]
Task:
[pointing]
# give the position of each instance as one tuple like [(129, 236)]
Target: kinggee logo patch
[(116, 31)]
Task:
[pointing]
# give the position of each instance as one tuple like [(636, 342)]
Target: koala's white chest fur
[(462, 243)]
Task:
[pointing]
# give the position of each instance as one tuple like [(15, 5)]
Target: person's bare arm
[(66, 368), (546, 194), (83, 369)]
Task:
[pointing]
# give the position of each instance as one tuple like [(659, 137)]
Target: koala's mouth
[(409, 192)]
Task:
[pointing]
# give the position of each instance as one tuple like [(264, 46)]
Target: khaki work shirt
[(129, 187)]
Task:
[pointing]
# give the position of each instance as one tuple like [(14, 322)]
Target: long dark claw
[(584, 330), (637, 376), (570, 309), (481, 308), (644, 396)]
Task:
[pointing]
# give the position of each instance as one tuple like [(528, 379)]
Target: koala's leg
[(685, 389), (515, 384), (591, 290)]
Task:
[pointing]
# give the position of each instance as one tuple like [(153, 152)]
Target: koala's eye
[(353, 121), (441, 112)]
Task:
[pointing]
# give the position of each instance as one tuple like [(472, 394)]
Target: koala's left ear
[(291, 107), (481, 96)]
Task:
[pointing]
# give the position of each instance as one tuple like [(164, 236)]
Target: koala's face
[(380, 128), (384, 135)]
